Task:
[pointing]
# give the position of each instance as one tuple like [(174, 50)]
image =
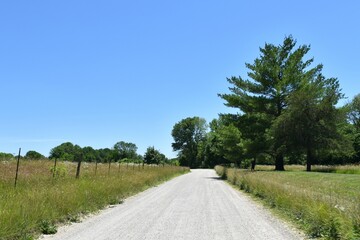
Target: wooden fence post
[(54, 169), (17, 167), (78, 169), (79, 159)]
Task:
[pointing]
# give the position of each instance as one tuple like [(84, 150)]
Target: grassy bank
[(325, 205), (39, 201)]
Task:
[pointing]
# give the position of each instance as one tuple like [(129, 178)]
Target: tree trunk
[(279, 162), (309, 159), (253, 164)]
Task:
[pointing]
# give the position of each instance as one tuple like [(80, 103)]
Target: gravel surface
[(193, 206)]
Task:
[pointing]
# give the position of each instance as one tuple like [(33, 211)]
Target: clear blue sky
[(98, 72)]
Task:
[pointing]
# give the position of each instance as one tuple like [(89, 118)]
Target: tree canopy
[(154, 156), (287, 113), (34, 155), (274, 77), (187, 135), (354, 111), (70, 152), (309, 123), (125, 150)]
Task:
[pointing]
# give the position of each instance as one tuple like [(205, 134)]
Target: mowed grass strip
[(40, 200), (325, 205)]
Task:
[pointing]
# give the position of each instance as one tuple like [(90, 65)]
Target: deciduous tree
[(154, 156), (34, 155), (65, 151), (125, 150), (310, 121), (187, 134)]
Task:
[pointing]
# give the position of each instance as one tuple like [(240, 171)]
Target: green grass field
[(325, 205), (40, 201)]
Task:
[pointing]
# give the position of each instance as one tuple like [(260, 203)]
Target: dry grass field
[(43, 199)]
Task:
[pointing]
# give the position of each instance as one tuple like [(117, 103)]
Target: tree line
[(121, 152), (287, 113)]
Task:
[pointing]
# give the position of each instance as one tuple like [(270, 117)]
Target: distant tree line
[(6, 156), (287, 114), (121, 152), (29, 155)]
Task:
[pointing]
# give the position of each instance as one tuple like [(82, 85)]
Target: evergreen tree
[(272, 78)]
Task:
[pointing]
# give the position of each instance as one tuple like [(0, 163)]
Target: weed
[(356, 229), (46, 227), (116, 201), (74, 218), (59, 171), (333, 229)]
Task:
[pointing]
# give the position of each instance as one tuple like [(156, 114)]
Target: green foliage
[(125, 150), (59, 171), (65, 151), (174, 162), (227, 141), (70, 152), (274, 76), (74, 218), (187, 135), (353, 114), (6, 156), (153, 156), (34, 155), (46, 227), (207, 149), (288, 111), (310, 122), (105, 155), (89, 154), (354, 111)]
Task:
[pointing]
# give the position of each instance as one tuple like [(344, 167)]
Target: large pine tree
[(273, 76)]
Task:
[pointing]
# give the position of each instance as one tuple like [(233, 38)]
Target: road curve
[(194, 206)]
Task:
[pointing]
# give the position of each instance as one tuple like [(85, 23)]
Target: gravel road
[(193, 206)]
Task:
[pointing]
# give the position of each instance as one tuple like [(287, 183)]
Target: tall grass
[(39, 199), (324, 205)]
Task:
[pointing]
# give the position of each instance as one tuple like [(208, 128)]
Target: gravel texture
[(193, 206)]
